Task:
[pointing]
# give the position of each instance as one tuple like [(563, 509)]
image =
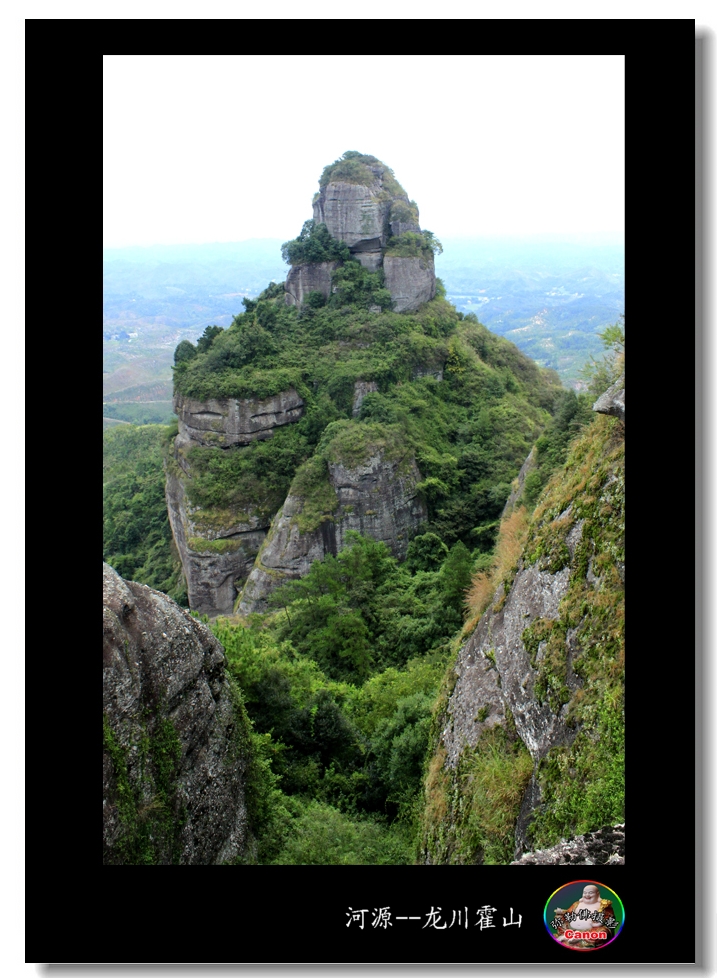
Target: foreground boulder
[(176, 737)]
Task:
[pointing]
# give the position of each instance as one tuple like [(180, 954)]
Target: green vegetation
[(469, 432), (143, 413), (314, 244), (336, 767), (470, 812), (137, 538), (341, 677), (583, 784), (354, 167), (149, 810), (403, 211), (361, 610), (411, 244)]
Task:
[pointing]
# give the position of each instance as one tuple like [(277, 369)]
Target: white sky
[(223, 148)]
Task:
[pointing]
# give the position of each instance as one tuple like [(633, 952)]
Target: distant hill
[(549, 297)]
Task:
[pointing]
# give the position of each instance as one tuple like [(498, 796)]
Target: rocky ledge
[(613, 400), (230, 421)]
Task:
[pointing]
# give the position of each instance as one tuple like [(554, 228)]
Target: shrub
[(185, 351), (314, 244)]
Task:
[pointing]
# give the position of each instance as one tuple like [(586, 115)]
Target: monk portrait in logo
[(593, 915)]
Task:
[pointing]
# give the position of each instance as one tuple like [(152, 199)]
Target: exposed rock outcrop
[(539, 681), (355, 214), (516, 491), (613, 400), (216, 561), (176, 737), (363, 206), (231, 421), (303, 279), (411, 281), (604, 847), (494, 668), (217, 555), (377, 498), (361, 389)]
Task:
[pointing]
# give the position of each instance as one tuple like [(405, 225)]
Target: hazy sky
[(223, 148)]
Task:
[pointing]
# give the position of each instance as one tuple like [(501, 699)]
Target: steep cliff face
[(216, 560), (355, 214), (411, 281), (529, 739), (376, 497), (217, 551), (362, 205), (176, 737), (303, 279)]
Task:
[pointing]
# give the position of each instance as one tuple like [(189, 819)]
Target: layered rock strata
[(176, 737), (378, 499), (231, 421), (356, 214)]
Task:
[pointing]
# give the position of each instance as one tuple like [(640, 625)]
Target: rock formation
[(613, 400), (604, 847), (225, 422), (176, 737), (377, 498), (312, 277), (363, 206), (356, 214), (361, 389), (218, 554), (216, 560), (411, 281)]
